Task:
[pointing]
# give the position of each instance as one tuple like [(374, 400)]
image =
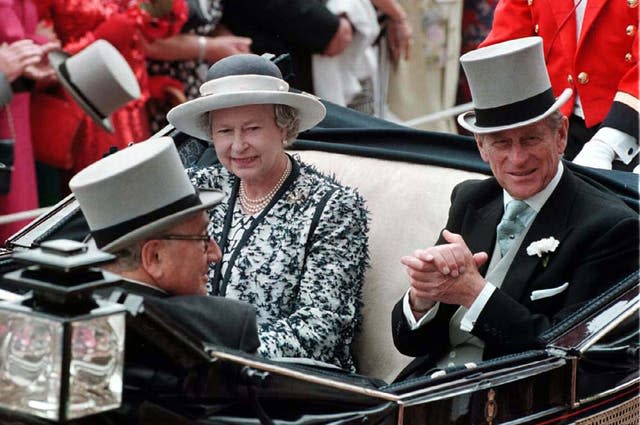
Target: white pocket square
[(546, 293)]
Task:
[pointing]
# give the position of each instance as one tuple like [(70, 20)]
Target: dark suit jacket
[(598, 237), (298, 27), (153, 366), (214, 320)]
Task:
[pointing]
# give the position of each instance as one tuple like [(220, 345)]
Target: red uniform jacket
[(601, 67)]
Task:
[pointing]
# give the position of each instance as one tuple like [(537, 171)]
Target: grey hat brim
[(56, 59), (208, 200), (192, 117), (468, 119)]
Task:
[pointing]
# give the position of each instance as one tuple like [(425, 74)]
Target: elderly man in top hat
[(520, 250), (141, 206)]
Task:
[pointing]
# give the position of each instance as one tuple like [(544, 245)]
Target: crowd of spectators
[(170, 44)]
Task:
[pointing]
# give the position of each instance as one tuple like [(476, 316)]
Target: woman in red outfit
[(123, 23)]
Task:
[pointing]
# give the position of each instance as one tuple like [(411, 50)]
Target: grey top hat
[(244, 79), (98, 78), (510, 86), (137, 193)]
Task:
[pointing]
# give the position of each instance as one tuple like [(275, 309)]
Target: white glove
[(597, 154)]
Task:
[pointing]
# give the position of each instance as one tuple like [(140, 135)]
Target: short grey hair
[(288, 118), (129, 258), (552, 121)]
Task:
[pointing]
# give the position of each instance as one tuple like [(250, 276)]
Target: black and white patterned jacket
[(301, 264)]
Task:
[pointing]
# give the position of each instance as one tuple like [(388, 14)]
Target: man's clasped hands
[(445, 273)]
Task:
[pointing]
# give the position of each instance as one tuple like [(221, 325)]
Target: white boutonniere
[(543, 247)]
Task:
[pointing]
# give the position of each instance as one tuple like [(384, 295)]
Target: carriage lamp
[(61, 350)]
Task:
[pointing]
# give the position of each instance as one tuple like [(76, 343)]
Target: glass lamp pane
[(97, 360), (30, 364)]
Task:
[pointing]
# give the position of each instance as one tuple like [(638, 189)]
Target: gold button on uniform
[(632, 3), (570, 79), (529, 2), (536, 28), (628, 57), (631, 30), (583, 78)]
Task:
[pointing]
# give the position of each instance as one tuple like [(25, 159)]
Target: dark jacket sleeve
[(623, 117), (214, 320), (432, 338), (304, 24)]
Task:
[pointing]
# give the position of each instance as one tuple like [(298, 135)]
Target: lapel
[(552, 220), (479, 225), (591, 12), (565, 17)]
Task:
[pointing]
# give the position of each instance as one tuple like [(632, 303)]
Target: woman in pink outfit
[(18, 19)]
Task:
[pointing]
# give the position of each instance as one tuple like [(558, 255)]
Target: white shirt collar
[(537, 201)]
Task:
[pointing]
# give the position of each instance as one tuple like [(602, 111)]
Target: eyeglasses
[(204, 238)]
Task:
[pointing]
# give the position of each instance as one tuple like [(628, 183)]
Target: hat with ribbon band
[(137, 193), (98, 78), (238, 80), (510, 86)]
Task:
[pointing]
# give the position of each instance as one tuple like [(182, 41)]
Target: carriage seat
[(408, 205)]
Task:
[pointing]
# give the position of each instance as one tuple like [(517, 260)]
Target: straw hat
[(244, 79), (98, 78), (137, 193), (510, 86)]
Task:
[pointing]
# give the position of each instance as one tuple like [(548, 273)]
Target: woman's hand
[(225, 45), (399, 30), (341, 39), (399, 34), (43, 71), (17, 56)]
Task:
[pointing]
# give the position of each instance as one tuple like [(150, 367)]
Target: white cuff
[(624, 145), (408, 314), (596, 154), (469, 319)]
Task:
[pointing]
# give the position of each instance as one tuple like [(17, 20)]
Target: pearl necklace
[(256, 205)]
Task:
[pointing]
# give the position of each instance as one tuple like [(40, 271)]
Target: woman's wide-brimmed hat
[(238, 80), (98, 78), (510, 86), (137, 193)]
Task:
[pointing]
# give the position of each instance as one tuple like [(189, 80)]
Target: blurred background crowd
[(395, 59)]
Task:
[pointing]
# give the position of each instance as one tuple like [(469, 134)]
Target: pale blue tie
[(513, 222)]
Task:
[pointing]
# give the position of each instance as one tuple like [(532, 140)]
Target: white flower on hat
[(542, 247)]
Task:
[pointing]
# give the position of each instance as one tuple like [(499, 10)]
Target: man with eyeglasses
[(140, 206)]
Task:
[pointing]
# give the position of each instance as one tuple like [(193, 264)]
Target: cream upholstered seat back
[(408, 205)]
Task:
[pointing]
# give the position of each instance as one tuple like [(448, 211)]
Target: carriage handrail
[(23, 215)]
